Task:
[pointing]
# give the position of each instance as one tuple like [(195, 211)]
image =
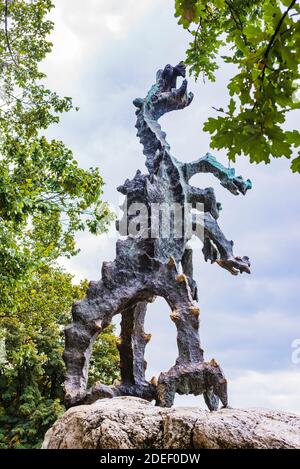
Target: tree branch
[(278, 29), (274, 35), (220, 110), (6, 34), (237, 20)]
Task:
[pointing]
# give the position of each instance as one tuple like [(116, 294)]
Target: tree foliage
[(261, 38), (45, 197), (31, 366)]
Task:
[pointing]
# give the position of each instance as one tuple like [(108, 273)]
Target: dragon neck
[(149, 131), (152, 137), (158, 156)]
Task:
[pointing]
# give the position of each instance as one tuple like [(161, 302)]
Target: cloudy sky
[(106, 54)]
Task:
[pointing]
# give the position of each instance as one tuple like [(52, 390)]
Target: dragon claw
[(235, 265)]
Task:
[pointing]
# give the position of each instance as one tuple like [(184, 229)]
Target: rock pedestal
[(133, 423)]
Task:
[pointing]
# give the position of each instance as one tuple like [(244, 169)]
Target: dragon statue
[(148, 265)]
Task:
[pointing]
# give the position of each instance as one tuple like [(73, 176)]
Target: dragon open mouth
[(170, 75)]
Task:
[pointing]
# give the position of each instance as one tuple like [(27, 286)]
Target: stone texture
[(133, 423)]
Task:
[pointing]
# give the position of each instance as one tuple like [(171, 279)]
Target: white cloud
[(84, 30), (278, 390), (114, 23)]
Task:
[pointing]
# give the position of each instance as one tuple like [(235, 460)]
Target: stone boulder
[(133, 423)]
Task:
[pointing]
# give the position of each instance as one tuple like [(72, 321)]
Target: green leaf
[(293, 137), (212, 125), (232, 106), (295, 166)]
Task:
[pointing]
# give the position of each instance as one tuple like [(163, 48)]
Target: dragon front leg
[(209, 164), (218, 249)]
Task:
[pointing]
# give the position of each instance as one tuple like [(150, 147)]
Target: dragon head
[(164, 96), (170, 74)]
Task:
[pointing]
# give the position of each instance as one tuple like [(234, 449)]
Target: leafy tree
[(45, 197), (261, 38), (32, 369)]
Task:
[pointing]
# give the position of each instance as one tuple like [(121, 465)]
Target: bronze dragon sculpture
[(147, 266)]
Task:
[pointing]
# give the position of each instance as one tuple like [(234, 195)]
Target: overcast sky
[(106, 54)]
